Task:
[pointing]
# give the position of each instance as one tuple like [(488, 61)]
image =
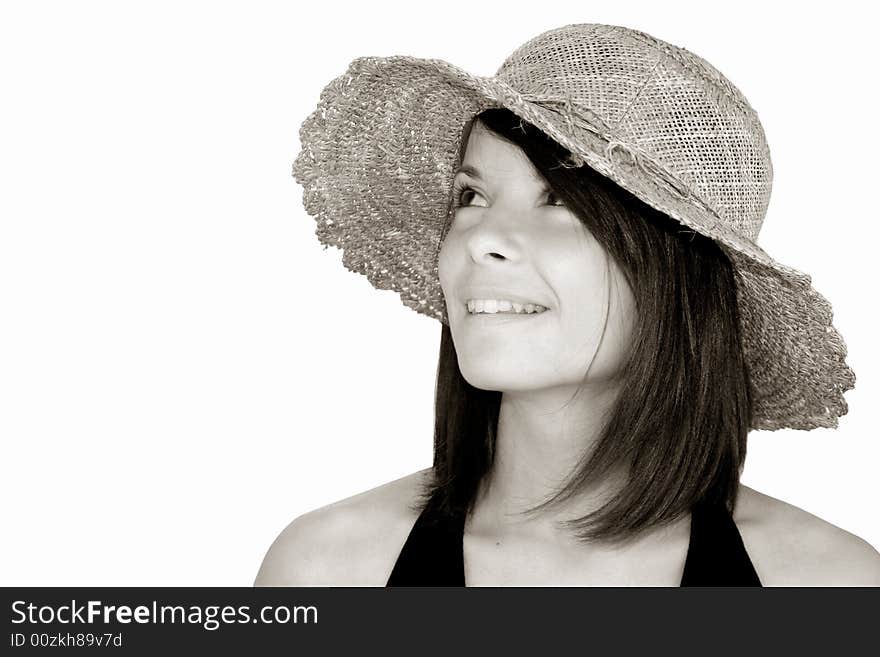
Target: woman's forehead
[(489, 156)]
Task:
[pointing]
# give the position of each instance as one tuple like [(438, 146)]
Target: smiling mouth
[(492, 307)]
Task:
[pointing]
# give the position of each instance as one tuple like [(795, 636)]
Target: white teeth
[(494, 306)]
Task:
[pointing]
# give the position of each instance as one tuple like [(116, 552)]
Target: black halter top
[(433, 553)]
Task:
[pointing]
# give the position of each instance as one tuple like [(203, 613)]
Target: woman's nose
[(497, 237)]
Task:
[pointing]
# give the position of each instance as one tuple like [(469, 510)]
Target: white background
[(184, 370)]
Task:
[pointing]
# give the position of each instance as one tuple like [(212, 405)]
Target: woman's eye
[(461, 195), (551, 196), (464, 194)]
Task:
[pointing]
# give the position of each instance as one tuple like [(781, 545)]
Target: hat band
[(576, 115)]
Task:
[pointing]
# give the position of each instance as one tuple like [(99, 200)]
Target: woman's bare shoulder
[(352, 542), (792, 547)]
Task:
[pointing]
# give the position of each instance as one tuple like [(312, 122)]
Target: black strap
[(433, 554), (716, 553)]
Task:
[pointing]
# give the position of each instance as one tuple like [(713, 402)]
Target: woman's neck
[(540, 440)]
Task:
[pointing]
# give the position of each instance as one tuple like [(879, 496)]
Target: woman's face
[(511, 239)]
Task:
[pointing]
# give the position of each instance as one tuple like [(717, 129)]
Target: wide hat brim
[(376, 166)]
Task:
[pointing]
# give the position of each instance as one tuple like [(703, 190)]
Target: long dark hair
[(679, 424)]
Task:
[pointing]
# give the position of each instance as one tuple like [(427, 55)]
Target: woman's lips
[(492, 318)]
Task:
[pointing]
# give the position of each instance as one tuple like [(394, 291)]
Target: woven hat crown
[(690, 127)]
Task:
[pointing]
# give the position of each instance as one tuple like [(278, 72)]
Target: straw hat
[(380, 150)]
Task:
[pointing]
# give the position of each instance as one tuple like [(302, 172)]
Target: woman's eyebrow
[(468, 170), (472, 171)]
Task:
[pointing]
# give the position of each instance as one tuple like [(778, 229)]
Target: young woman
[(583, 224)]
